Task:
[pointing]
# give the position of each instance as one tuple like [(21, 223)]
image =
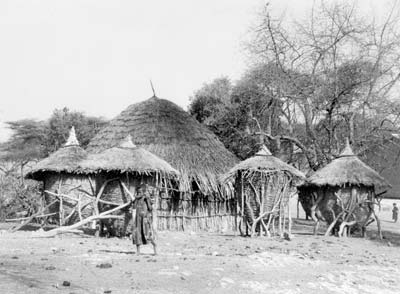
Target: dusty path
[(200, 263)]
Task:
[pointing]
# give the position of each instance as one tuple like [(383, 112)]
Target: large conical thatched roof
[(347, 169), (264, 161), (127, 158), (169, 132), (64, 160)]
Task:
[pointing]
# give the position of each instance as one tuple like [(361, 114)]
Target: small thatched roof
[(126, 158), (64, 160), (166, 130), (264, 161), (347, 170)]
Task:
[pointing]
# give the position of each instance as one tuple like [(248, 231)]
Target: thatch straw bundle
[(64, 160), (264, 162), (347, 170), (169, 132), (126, 158)]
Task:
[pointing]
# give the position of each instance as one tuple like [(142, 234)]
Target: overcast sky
[(97, 56)]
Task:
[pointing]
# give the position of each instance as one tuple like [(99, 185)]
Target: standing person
[(142, 216), (395, 212)]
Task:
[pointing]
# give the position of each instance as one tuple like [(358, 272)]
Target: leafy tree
[(32, 140), (27, 142), (61, 122), (235, 112), (210, 98)]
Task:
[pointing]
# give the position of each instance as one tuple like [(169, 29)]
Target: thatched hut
[(119, 171), (62, 183), (343, 193), (198, 200), (264, 185)]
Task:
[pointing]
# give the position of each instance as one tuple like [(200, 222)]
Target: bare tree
[(338, 73)]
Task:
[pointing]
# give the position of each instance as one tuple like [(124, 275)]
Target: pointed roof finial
[(152, 88), (264, 151), (347, 151), (127, 143), (72, 140)]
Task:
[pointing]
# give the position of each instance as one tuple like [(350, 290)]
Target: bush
[(17, 198)]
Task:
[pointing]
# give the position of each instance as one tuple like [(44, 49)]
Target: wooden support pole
[(289, 218), (328, 231), (103, 215), (31, 218), (61, 208), (61, 195), (378, 223), (242, 206), (25, 218), (80, 207), (343, 226)]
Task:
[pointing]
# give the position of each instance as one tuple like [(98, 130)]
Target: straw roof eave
[(64, 160), (346, 171), (126, 160), (264, 164)]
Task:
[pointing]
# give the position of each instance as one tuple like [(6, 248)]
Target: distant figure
[(142, 231), (395, 212)]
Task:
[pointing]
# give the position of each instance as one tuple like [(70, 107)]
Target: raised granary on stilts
[(118, 171), (62, 183), (264, 185), (343, 194), (199, 200)]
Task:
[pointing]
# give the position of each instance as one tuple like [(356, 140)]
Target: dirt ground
[(202, 263)]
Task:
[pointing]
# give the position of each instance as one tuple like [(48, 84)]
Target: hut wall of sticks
[(197, 199), (343, 194), (119, 172), (264, 185), (65, 196), (117, 189), (69, 191)]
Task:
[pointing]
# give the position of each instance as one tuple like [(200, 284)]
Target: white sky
[(97, 56)]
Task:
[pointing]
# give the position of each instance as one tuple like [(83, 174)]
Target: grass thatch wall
[(174, 210)]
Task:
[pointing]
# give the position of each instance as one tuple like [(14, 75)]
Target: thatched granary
[(61, 182), (264, 185), (199, 200), (119, 171), (343, 192)]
